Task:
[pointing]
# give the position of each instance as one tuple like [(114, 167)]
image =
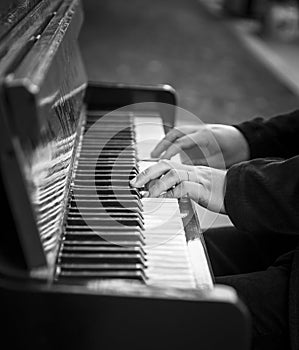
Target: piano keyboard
[(111, 232)]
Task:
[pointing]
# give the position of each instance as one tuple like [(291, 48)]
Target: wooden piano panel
[(47, 79), (12, 11)]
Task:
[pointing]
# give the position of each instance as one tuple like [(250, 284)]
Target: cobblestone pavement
[(179, 43)]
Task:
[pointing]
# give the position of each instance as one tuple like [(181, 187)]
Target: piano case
[(44, 95)]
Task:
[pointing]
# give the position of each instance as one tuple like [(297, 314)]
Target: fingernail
[(145, 194), (133, 181)]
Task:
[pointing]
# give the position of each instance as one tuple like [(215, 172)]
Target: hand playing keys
[(204, 185)]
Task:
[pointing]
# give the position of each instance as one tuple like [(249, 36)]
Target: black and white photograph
[(149, 174)]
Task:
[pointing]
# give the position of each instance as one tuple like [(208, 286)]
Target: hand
[(216, 145), (204, 185)]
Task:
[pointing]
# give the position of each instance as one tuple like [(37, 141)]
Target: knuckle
[(184, 188), (145, 172), (165, 162), (172, 173), (161, 185), (178, 143)]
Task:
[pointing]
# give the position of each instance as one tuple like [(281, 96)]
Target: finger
[(148, 187), (186, 189), (183, 142), (171, 136), (170, 179), (151, 183), (151, 173)]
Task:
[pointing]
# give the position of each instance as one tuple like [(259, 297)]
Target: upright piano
[(85, 261)]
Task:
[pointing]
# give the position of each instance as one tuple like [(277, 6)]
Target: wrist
[(233, 144), (241, 145)]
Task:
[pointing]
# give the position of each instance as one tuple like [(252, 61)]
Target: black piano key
[(104, 258), (108, 160), (108, 155), (115, 129), (106, 191), (96, 194), (105, 220), (107, 234), (79, 276), (84, 211), (110, 244), (111, 248), (109, 211), (134, 203), (101, 255), (119, 149), (97, 137), (114, 143), (94, 141), (108, 167), (100, 247), (103, 182), (112, 125), (98, 164), (103, 229), (101, 177), (108, 135), (90, 211), (106, 172), (112, 117), (101, 243), (99, 267), (110, 233), (113, 215)]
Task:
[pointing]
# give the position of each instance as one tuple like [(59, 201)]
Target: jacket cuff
[(255, 136), (232, 199)]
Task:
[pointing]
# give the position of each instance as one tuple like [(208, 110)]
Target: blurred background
[(200, 48)]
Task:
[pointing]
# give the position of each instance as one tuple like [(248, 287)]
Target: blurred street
[(179, 43)]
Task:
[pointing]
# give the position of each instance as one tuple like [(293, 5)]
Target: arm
[(263, 195), (220, 146), (258, 195), (276, 137)]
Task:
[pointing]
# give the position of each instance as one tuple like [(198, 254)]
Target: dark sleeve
[(276, 137), (263, 195)]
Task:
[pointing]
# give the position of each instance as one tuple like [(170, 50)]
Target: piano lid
[(42, 86)]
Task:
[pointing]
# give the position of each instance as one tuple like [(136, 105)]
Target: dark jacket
[(263, 194)]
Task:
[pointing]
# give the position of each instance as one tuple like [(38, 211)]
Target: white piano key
[(149, 132), (168, 262), (167, 254), (164, 231)]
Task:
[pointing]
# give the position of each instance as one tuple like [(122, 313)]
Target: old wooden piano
[(85, 261)]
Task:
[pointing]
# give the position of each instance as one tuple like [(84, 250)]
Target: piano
[(85, 261)]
